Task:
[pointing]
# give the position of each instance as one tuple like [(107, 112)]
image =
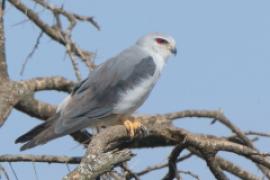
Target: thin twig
[(29, 56), (35, 170), (74, 63), (55, 32), (13, 171), (162, 165), (4, 172), (67, 14), (130, 173), (68, 168), (195, 176), (262, 134)]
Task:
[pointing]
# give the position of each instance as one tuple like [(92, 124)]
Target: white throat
[(159, 60)]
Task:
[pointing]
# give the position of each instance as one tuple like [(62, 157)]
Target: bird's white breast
[(131, 97), (134, 96)]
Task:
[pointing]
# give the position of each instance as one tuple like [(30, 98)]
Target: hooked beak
[(174, 51)]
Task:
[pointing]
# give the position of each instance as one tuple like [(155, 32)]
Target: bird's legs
[(133, 126)]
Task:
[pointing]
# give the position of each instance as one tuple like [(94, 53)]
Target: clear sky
[(223, 62)]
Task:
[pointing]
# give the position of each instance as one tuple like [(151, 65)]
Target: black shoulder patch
[(146, 67)]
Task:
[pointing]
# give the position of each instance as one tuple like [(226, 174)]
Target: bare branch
[(99, 158), (67, 14), (55, 32), (13, 171), (74, 63), (4, 172), (31, 53), (35, 170), (3, 64), (195, 176), (262, 134), (39, 158), (173, 160), (235, 170), (35, 19), (162, 165), (129, 173), (48, 83), (10, 94), (214, 167), (35, 108), (218, 116)]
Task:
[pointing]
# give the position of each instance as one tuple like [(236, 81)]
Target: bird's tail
[(40, 134)]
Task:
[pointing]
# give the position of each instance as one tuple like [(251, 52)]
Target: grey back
[(95, 97)]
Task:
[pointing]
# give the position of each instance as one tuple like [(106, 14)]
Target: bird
[(110, 94)]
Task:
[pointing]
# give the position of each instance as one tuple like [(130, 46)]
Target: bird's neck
[(159, 60)]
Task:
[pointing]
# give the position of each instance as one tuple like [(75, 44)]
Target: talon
[(133, 127)]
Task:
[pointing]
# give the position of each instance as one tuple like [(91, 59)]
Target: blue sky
[(223, 63)]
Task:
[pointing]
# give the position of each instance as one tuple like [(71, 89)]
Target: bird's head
[(158, 43)]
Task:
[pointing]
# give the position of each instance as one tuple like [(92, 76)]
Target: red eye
[(161, 41)]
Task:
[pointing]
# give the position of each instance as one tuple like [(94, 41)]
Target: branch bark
[(172, 173), (214, 167), (3, 64), (39, 158), (48, 83), (19, 94), (101, 156)]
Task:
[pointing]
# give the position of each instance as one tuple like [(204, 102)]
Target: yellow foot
[(133, 126)]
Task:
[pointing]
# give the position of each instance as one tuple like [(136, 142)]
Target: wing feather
[(96, 96)]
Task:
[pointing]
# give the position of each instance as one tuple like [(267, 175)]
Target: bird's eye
[(161, 41)]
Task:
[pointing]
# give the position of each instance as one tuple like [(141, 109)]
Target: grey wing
[(96, 96)]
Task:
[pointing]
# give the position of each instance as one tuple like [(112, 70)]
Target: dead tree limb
[(172, 164), (56, 32), (100, 157), (40, 158), (3, 63)]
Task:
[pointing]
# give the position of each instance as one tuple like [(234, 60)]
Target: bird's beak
[(174, 51)]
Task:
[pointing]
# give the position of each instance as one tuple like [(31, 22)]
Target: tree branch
[(10, 94), (214, 167), (235, 170), (39, 158), (219, 116), (35, 108), (68, 15), (161, 132), (48, 83), (172, 173), (4, 172), (100, 156), (162, 165), (56, 33), (3, 64)]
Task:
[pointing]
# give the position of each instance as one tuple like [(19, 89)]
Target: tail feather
[(40, 134), (32, 133), (43, 137)]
